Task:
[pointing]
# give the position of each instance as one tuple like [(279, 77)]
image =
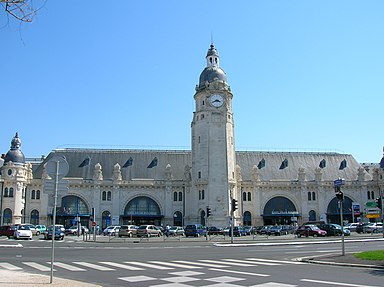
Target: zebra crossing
[(80, 266)]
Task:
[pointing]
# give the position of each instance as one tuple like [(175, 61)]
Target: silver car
[(148, 231)]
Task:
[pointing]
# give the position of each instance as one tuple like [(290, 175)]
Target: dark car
[(59, 232), (264, 229), (195, 230), (8, 230), (213, 230), (333, 229), (310, 230), (278, 230), (237, 231)]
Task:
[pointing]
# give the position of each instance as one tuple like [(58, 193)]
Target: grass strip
[(370, 255)]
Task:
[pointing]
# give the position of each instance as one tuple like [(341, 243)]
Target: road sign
[(377, 215), (370, 204), (93, 223)]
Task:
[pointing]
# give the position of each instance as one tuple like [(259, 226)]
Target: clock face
[(216, 100)]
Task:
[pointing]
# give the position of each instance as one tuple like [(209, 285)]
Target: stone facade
[(177, 187)]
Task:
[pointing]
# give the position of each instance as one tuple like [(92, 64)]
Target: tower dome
[(382, 160), (15, 155), (212, 72)]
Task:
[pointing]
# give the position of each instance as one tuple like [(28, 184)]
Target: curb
[(313, 260)]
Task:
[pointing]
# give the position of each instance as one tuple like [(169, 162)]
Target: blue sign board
[(338, 182)]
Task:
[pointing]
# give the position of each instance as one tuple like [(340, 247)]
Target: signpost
[(56, 167), (339, 194)]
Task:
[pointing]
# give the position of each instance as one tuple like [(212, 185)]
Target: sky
[(306, 76)]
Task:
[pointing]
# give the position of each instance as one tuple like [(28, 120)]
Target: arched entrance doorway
[(280, 210), (72, 210), (142, 210), (333, 210)]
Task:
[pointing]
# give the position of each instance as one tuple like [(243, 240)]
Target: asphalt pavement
[(20, 278)]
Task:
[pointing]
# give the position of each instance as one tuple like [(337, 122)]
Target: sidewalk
[(20, 278)]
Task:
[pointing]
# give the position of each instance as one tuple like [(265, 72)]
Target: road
[(265, 262)]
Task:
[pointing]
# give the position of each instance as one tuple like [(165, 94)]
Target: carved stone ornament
[(98, 173), (117, 172)]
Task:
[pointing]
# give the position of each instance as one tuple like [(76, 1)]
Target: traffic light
[(379, 202), (234, 204), (340, 195), (208, 211)]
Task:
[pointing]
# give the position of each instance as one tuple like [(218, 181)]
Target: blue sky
[(306, 75)]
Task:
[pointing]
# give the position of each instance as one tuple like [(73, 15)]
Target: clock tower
[(213, 147)]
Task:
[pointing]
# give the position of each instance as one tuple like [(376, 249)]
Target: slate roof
[(273, 170)]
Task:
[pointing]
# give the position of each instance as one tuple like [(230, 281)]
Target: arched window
[(11, 192), (6, 192), (372, 194), (247, 218), (202, 194), (309, 196), (244, 196), (249, 196), (202, 217), (34, 217), (7, 216), (38, 194), (180, 196), (109, 196), (104, 196), (313, 195), (175, 196), (33, 194), (199, 194), (312, 215), (105, 219)]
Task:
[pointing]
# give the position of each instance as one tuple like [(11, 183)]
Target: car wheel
[(37, 233), (299, 235), (315, 235), (158, 234)]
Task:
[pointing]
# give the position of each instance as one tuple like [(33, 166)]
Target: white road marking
[(94, 266)]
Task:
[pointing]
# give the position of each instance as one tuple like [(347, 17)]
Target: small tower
[(15, 174)]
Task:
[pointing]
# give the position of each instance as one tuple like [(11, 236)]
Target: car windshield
[(23, 227)]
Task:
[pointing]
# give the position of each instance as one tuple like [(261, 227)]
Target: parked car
[(249, 229), (213, 230), (7, 230), (148, 231), (310, 230), (176, 231), (361, 228), (111, 230), (264, 229), (73, 230), (128, 230), (40, 229), (277, 230), (374, 227), (195, 230), (332, 229), (23, 231), (59, 232), (351, 226), (32, 228)]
